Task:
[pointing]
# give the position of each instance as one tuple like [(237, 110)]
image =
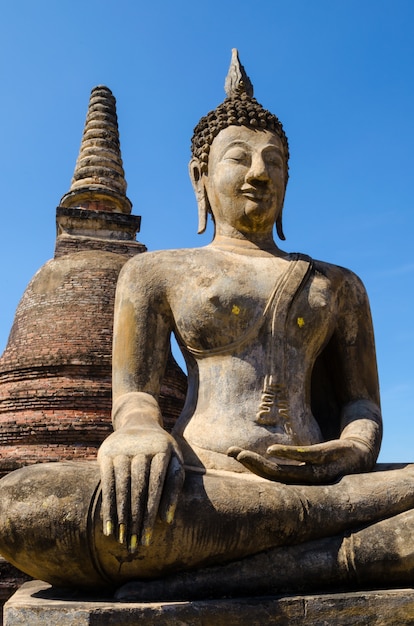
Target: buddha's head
[(240, 127)]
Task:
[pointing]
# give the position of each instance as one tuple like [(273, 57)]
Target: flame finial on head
[(237, 81)]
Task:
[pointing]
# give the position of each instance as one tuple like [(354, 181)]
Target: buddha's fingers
[(158, 470), (173, 485), (234, 451), (318, 454), (108, 495), (306, 454), (258, 464), (274, 471), (122, 467), (140, 466)]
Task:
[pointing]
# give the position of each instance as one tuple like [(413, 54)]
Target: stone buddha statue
[(270, 462)]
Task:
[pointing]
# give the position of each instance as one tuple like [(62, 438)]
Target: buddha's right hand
[(142, 475)]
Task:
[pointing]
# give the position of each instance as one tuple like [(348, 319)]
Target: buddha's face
[(245, 183)]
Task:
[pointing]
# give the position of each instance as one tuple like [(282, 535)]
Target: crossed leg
[(51, 527)]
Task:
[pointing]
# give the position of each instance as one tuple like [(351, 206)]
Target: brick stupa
[(55, 373)]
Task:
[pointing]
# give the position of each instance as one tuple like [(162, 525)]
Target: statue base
[(37, 603)]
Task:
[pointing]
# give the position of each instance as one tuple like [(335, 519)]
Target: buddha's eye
[(236, 154), (274, 159)]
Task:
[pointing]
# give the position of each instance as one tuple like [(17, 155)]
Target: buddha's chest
[(228, 307)]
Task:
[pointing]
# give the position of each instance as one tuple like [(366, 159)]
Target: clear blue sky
[(338, 73)]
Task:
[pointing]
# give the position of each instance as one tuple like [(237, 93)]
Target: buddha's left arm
[(354, 366), (355, 370)]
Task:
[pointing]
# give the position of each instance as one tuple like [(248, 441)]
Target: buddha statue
[(271, 461)]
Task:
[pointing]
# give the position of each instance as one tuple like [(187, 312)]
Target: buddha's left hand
[(314, 464)]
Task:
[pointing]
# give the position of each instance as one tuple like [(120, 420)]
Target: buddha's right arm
[(141, 464)]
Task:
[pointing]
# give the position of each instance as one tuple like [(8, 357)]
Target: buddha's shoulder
[(162, 263), (339, 278), (188, 256)]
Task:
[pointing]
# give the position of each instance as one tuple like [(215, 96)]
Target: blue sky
[(339, 75)]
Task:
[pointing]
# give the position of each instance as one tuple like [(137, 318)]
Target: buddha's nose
[(258, 170)]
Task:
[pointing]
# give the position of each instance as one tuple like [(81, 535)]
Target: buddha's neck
[(242, 245)]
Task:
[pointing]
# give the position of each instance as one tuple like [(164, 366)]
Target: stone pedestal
[(36, 603)]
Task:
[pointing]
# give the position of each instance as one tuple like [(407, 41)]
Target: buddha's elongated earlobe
[(202, 213), (279, 227), (200, 192)]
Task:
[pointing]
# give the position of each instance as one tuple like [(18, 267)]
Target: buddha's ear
[(200, 192)]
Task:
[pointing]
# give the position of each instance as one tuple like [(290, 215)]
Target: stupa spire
[(99, 180)]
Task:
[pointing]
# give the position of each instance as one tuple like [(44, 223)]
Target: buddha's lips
[(252, 193)]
